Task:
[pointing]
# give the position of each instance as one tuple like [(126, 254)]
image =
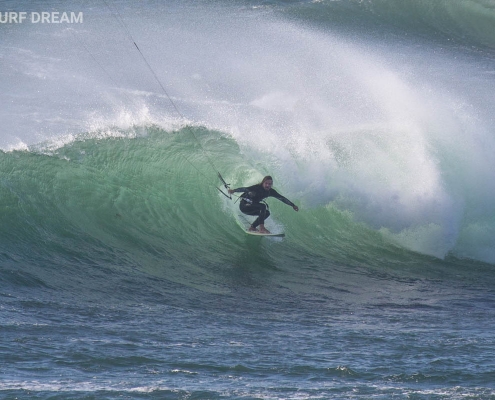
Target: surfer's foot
[(265, 231), (252, 229)]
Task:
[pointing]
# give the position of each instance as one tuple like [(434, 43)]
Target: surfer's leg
[(255, 209), (263, 214), (249, 209)]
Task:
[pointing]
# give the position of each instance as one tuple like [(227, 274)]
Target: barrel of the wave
[(253, 204)]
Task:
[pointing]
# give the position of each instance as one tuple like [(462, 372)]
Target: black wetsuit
[(251, 198)]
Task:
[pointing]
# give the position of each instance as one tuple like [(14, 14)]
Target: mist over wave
[(395, 132)]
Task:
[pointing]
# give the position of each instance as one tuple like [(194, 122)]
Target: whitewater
[(123, 270)]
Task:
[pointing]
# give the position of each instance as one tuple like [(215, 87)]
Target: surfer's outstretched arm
[(283, 199)]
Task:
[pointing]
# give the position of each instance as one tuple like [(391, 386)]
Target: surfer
[(251, 202)]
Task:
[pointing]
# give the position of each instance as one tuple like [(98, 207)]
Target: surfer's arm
[(241, 190), (283, 199)]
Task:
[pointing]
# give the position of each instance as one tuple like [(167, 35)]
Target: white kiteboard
[(265, 234), (244, 223)]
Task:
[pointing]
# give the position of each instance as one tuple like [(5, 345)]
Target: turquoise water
[(123, 271)]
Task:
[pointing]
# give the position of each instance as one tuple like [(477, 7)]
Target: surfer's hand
[(231, 191), (296, 208)]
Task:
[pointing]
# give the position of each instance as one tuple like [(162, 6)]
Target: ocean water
[(123, 271)]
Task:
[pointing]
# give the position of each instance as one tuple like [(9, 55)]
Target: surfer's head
[(267, 182)]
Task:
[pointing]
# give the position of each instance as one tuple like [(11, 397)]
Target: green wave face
[(148, 204), (377, 137)]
